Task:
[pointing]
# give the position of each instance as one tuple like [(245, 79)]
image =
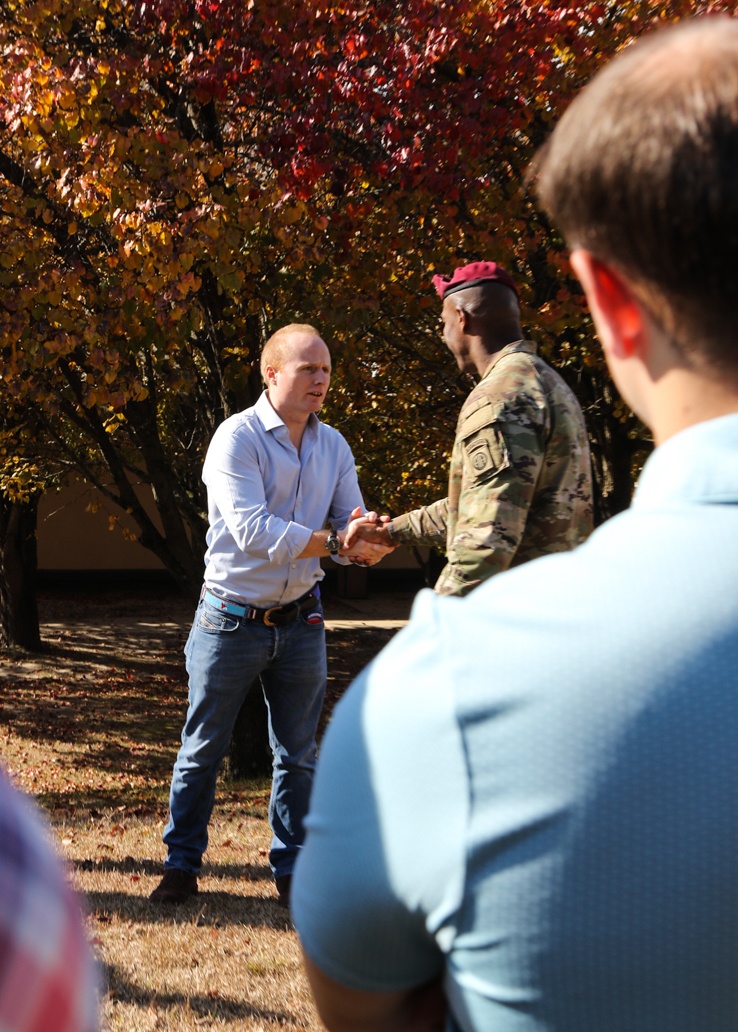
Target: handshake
[(366, 538)]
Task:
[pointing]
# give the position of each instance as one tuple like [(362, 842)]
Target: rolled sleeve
[(236, 490)]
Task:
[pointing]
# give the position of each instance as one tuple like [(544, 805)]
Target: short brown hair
[(642, 170), (273, 351)]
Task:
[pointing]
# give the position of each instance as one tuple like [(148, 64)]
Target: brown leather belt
[(276, 616)]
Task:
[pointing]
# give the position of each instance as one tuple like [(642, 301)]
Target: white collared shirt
[(265, 499)]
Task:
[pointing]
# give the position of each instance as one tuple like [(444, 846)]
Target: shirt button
[(294, 566)]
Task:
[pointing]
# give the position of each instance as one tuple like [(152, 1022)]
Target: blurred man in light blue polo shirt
[(525, 816)]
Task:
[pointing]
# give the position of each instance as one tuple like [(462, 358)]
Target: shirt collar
[(699, 464), (270, 418), (526, 346)]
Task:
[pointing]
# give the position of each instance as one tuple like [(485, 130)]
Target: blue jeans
[(224, 655)]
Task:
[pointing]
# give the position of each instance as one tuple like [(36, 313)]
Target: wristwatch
[(332, 543)]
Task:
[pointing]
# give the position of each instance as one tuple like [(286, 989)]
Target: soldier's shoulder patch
[(485, 452)]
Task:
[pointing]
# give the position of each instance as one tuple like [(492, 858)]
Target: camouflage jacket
[(520, 481)]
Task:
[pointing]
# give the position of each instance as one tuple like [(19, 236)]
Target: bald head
[(276, 348), (641, 171)]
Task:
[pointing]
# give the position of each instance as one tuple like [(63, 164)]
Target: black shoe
[(175, 887), (284, 889)]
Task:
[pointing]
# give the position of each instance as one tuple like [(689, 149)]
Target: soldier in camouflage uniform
[(520, 478)]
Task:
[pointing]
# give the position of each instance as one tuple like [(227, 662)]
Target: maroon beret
[(472, 276)]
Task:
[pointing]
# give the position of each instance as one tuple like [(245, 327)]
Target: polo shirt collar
[(697, 465)]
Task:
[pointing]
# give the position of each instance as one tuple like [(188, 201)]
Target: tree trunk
[(19, 625), (250, 754)]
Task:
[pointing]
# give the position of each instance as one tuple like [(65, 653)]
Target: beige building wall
[(74, 533)]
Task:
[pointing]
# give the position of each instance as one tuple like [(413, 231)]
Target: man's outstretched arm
[(373, 529), (354, 546), (424, 526)]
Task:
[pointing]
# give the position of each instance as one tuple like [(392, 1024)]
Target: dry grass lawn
[(90, 728)]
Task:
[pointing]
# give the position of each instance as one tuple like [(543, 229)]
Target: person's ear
[(464, 319), (617, 313), (270, 374)]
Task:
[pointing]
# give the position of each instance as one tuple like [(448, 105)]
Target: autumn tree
[(180, 177)]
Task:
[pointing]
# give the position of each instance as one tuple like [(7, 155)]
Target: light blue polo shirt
[(533, 791)]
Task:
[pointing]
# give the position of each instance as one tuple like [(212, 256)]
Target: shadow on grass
[(99, 656), (117, 729), (147, 801), (206, 1008), (215, 909), (146, 866), (48, 707), (77, 807)]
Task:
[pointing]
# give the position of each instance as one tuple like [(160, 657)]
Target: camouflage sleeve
[(497, 460), (424, 526)]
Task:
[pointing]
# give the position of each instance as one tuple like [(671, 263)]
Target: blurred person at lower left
[(47, 975)]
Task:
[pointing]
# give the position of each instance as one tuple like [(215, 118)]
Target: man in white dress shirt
[(282, 491)]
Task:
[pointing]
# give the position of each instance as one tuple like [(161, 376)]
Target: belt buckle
[(267, 616)]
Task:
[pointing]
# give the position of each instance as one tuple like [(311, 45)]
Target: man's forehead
[(307, 350)]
